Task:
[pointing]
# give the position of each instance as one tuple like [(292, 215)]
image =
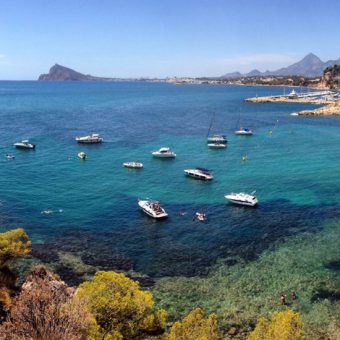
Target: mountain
[(309, 66), (58, 72), (232, 75)]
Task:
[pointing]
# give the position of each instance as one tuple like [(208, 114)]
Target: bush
[(194, 327), (286, 325), (121, 308), (13, 243), (44, 310)]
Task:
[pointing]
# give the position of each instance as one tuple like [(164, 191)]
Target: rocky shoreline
[(332, 109), (331, 106)]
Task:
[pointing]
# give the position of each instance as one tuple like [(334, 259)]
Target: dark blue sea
[(88, 209)]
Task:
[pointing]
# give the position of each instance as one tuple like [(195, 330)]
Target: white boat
[(217, 145), (25, 144), (243, 132), (164, 153), (242, 198), (136, 165), (10, 157), (217, 139), (293, 95), (91, 139), (199, 173), (152, 208), (82, 155)]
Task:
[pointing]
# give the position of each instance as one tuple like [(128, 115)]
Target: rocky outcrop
[(58, 72), (328, 110)]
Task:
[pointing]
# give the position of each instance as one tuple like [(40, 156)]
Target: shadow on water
[(181, 246), (323, 294)]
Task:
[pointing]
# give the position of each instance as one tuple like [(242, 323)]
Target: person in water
[(283, 299)]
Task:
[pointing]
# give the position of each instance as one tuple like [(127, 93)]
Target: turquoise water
[(294, 170)]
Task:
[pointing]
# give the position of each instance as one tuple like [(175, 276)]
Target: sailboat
[(242, 131), (215, 139)]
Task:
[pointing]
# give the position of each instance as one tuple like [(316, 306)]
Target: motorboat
[(94, 138), (201, 216), (217, 139), (9, 157), (217, 145), (25, 144), (135, 165), (82, 155), (242, 198), (164, 153), (200, 173), (152, 208), (244, 132)]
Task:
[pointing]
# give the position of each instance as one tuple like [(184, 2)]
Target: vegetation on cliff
[(285, 325), (112, 306)]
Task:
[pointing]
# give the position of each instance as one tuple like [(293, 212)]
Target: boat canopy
[(203, 169)]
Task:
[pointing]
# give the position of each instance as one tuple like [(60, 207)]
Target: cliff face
[(58, 72), (330, 78)]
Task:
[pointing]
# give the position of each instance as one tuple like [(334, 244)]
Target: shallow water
[(92, 205)]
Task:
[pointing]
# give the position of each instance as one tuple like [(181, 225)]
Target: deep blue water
[(94, 202)]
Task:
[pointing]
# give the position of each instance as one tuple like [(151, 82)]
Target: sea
[(87, 210)]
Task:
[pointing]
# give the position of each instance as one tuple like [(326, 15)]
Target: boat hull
[(27, 147), (216, 146), (159, 155), (133, 165), (243, 133), (89, 141), (241, 202), (198, 176)]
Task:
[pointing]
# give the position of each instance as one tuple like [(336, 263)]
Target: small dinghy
[(82, 155), (9, 157), (201, 216), (133, 165)]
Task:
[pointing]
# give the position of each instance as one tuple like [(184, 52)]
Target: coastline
[(330, 106)]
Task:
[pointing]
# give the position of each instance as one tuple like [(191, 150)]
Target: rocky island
[(61, 73)]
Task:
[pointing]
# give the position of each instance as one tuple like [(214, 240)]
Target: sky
[(163, 38)]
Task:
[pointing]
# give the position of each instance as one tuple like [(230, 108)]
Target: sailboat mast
[(211, 123)]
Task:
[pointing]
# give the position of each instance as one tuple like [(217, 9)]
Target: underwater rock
[(45, 252)]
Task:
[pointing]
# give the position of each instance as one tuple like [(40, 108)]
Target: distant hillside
[(309, 66), (58, 72)]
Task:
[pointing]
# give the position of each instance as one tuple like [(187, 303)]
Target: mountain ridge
[(309, 66)]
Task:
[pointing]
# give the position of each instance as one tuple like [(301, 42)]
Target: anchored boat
[(94, 138), (200, 173), (135, 165), (163, 153), (243, 132), (25, 144), (152, 208), (242, 198)]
